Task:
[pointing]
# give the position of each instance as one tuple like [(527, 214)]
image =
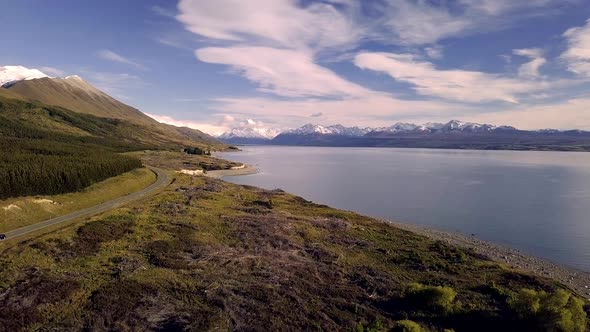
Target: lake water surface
[(538, 202)]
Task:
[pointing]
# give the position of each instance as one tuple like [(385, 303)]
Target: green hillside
[(49, 150), (77, 95)]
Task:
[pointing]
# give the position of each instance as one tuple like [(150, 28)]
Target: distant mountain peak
[(250, 132), (337, 129), (11, 74)]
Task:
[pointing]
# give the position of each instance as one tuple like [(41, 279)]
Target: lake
[(538, 202)]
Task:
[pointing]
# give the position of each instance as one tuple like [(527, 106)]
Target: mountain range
[(453, 134)]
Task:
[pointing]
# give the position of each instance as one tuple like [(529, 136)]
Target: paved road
[(161, 182)]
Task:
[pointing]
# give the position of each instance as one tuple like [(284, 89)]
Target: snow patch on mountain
[(11, 74)]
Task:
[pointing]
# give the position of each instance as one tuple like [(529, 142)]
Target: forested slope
[(49, 150)]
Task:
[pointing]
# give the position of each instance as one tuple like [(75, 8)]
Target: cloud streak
[(459, 85), (114, 57)]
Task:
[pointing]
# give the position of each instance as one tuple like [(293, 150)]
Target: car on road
[(2, 236)]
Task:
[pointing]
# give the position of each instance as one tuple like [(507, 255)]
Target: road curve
[(161, 182)]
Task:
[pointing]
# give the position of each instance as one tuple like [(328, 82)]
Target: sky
[(214, 65)]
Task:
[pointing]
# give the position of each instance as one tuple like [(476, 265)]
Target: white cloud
[(112, 56), (418, 22), (531, 68), (206, 127), (425, 22), (278, 23), (577, 56), (282, 72), (278, 45), (497, 7), (460, 85)]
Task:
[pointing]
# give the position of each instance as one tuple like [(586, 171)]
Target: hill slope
[(50, 150), (75, 94)]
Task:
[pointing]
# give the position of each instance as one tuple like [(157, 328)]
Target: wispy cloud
[(53, 71), (531, 68), (434, 52), (577, 56), (114, 84), (427, 22), (112, 56), (273, 23), (282, 72), (460, 85), (163, 11)]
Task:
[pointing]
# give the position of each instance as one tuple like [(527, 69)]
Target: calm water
[(538, 202)]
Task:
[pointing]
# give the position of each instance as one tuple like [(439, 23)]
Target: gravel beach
[(247, 170)]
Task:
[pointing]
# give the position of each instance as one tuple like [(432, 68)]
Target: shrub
[(198, 151), (377, 326), (435, 298), (90, 236), (407, 326), (558, 311)]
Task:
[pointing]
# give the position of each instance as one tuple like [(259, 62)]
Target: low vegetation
[(438, 299), (179, 160), (24, 211), (557, 311), (209, 255)]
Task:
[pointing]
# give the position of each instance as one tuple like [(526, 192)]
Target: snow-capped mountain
[(453, 134), (11, 74), (456, 125), (398, 127), (250, 132), (309, 129), (453, 126)]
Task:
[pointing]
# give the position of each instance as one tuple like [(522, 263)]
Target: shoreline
[(220, 174), (576, 280)]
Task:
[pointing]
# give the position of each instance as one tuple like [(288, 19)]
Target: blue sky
[(283, 63)]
